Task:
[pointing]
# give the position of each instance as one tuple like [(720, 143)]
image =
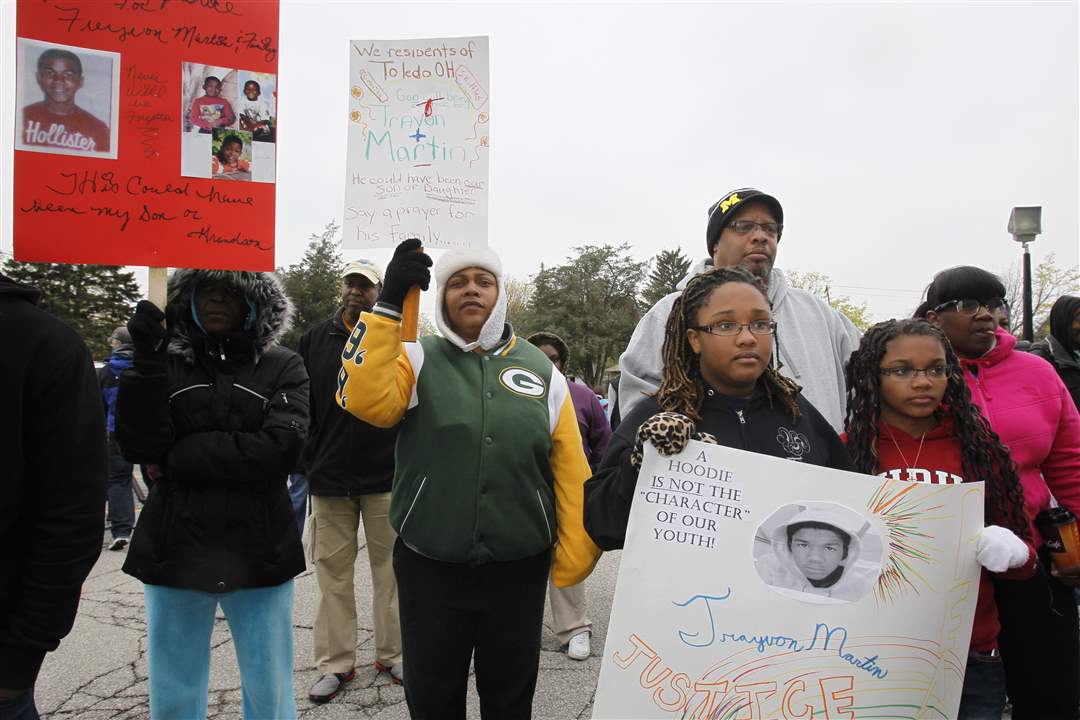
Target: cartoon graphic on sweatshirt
[(818, 552)]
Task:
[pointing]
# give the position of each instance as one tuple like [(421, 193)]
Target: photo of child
[(232, 154), (256, 108), (211, 110), (55, 83), (225, 137), (818, 552)]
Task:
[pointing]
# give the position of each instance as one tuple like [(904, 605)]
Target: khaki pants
[(333, 546), (567, 611)]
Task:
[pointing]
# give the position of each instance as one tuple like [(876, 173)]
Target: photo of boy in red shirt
[(211, 110), (56, 121)]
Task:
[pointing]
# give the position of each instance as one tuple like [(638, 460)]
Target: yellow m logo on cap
[(728, 203)]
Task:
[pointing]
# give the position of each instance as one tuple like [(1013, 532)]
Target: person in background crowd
[(744, 229), (1031, 411), (121, 472), (568, 605), (298, 496), (1062, 346), (350, 466), (487, 482), (719, 386), (52, 441), (220, 409), (910, 417)]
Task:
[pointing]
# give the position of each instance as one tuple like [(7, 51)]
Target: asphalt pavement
[(99, 671)]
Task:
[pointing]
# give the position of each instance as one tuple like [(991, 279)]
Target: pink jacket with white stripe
[(1028, 406)]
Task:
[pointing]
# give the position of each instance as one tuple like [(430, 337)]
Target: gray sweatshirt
[(815, 342)]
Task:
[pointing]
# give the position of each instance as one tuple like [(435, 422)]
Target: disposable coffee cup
[(1061, 537)]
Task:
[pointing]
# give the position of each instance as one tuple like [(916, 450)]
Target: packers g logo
[(524, 382)]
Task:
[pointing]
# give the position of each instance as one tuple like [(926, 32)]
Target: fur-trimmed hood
[(273, 308)]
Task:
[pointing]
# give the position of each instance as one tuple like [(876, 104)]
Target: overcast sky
[(897, 136)]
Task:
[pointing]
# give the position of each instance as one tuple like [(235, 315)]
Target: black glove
[(406, 268), (148, 335)]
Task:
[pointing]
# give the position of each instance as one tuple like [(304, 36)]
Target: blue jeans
[(983, 695), (298, 493), (20, 708), (179, 626), (121, 501)]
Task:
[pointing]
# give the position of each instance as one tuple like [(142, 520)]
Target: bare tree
[(820, 284), (518, 296), (1049, 281)]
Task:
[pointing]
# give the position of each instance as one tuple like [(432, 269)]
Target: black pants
[(1039, 645), (449, 611)]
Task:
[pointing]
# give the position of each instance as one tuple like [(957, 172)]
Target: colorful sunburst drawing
[(910, 541)]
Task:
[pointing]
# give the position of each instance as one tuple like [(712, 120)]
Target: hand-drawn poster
[(419, 113), (754, 587), (135, 120)]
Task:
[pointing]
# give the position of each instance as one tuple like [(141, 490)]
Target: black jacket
[(1059, 349), (1068, 368), (52, 445), (343, 456), (758, 428), (225, 419)]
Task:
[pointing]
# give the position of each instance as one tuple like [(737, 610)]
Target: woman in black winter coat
[(1062, 346), (718, 386), (220, 412)]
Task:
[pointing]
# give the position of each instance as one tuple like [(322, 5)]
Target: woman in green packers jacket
[(489, 475)]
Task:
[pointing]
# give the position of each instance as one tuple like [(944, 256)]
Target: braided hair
[(682, 388), (982, 454)]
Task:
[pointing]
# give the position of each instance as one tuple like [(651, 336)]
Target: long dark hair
[(982, 454), (682, 389)]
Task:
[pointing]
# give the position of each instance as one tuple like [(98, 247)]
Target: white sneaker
[(119, 543), (578, 647)]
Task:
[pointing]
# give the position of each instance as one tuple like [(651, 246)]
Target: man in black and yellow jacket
[(488, 479)]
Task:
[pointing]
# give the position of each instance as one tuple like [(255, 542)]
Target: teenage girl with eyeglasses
[(718, 385), (1029, 408), (910, 417)]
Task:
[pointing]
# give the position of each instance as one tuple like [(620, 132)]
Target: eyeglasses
[(970, 306), (744, 226), (936, 372), (726, 328)]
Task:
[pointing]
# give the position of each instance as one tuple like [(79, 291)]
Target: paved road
[(99, 671)]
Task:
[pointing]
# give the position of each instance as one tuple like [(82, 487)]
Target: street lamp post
[(1024, 224)]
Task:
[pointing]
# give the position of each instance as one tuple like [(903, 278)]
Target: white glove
[(999, 549)]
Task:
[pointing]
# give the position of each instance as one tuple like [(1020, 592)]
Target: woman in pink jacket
[(1029, 408)]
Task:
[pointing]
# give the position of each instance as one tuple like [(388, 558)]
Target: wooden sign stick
[(158, 281), (410, 313)]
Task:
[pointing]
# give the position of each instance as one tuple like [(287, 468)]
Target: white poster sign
[(756, 587), (419, 112)]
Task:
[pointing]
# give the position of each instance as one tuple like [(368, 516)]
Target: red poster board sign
[(145, 132)]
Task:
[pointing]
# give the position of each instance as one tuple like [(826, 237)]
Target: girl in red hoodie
[(910, 417)]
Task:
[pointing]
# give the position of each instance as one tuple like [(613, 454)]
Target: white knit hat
[(454, 261)]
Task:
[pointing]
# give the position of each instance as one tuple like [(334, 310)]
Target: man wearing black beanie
[(814, 340)]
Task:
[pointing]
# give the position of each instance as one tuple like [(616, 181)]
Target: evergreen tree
[(314, 283), (92, 299), (669, 267), (592, 302)]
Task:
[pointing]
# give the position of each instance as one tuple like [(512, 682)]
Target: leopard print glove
[(667, 431)]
